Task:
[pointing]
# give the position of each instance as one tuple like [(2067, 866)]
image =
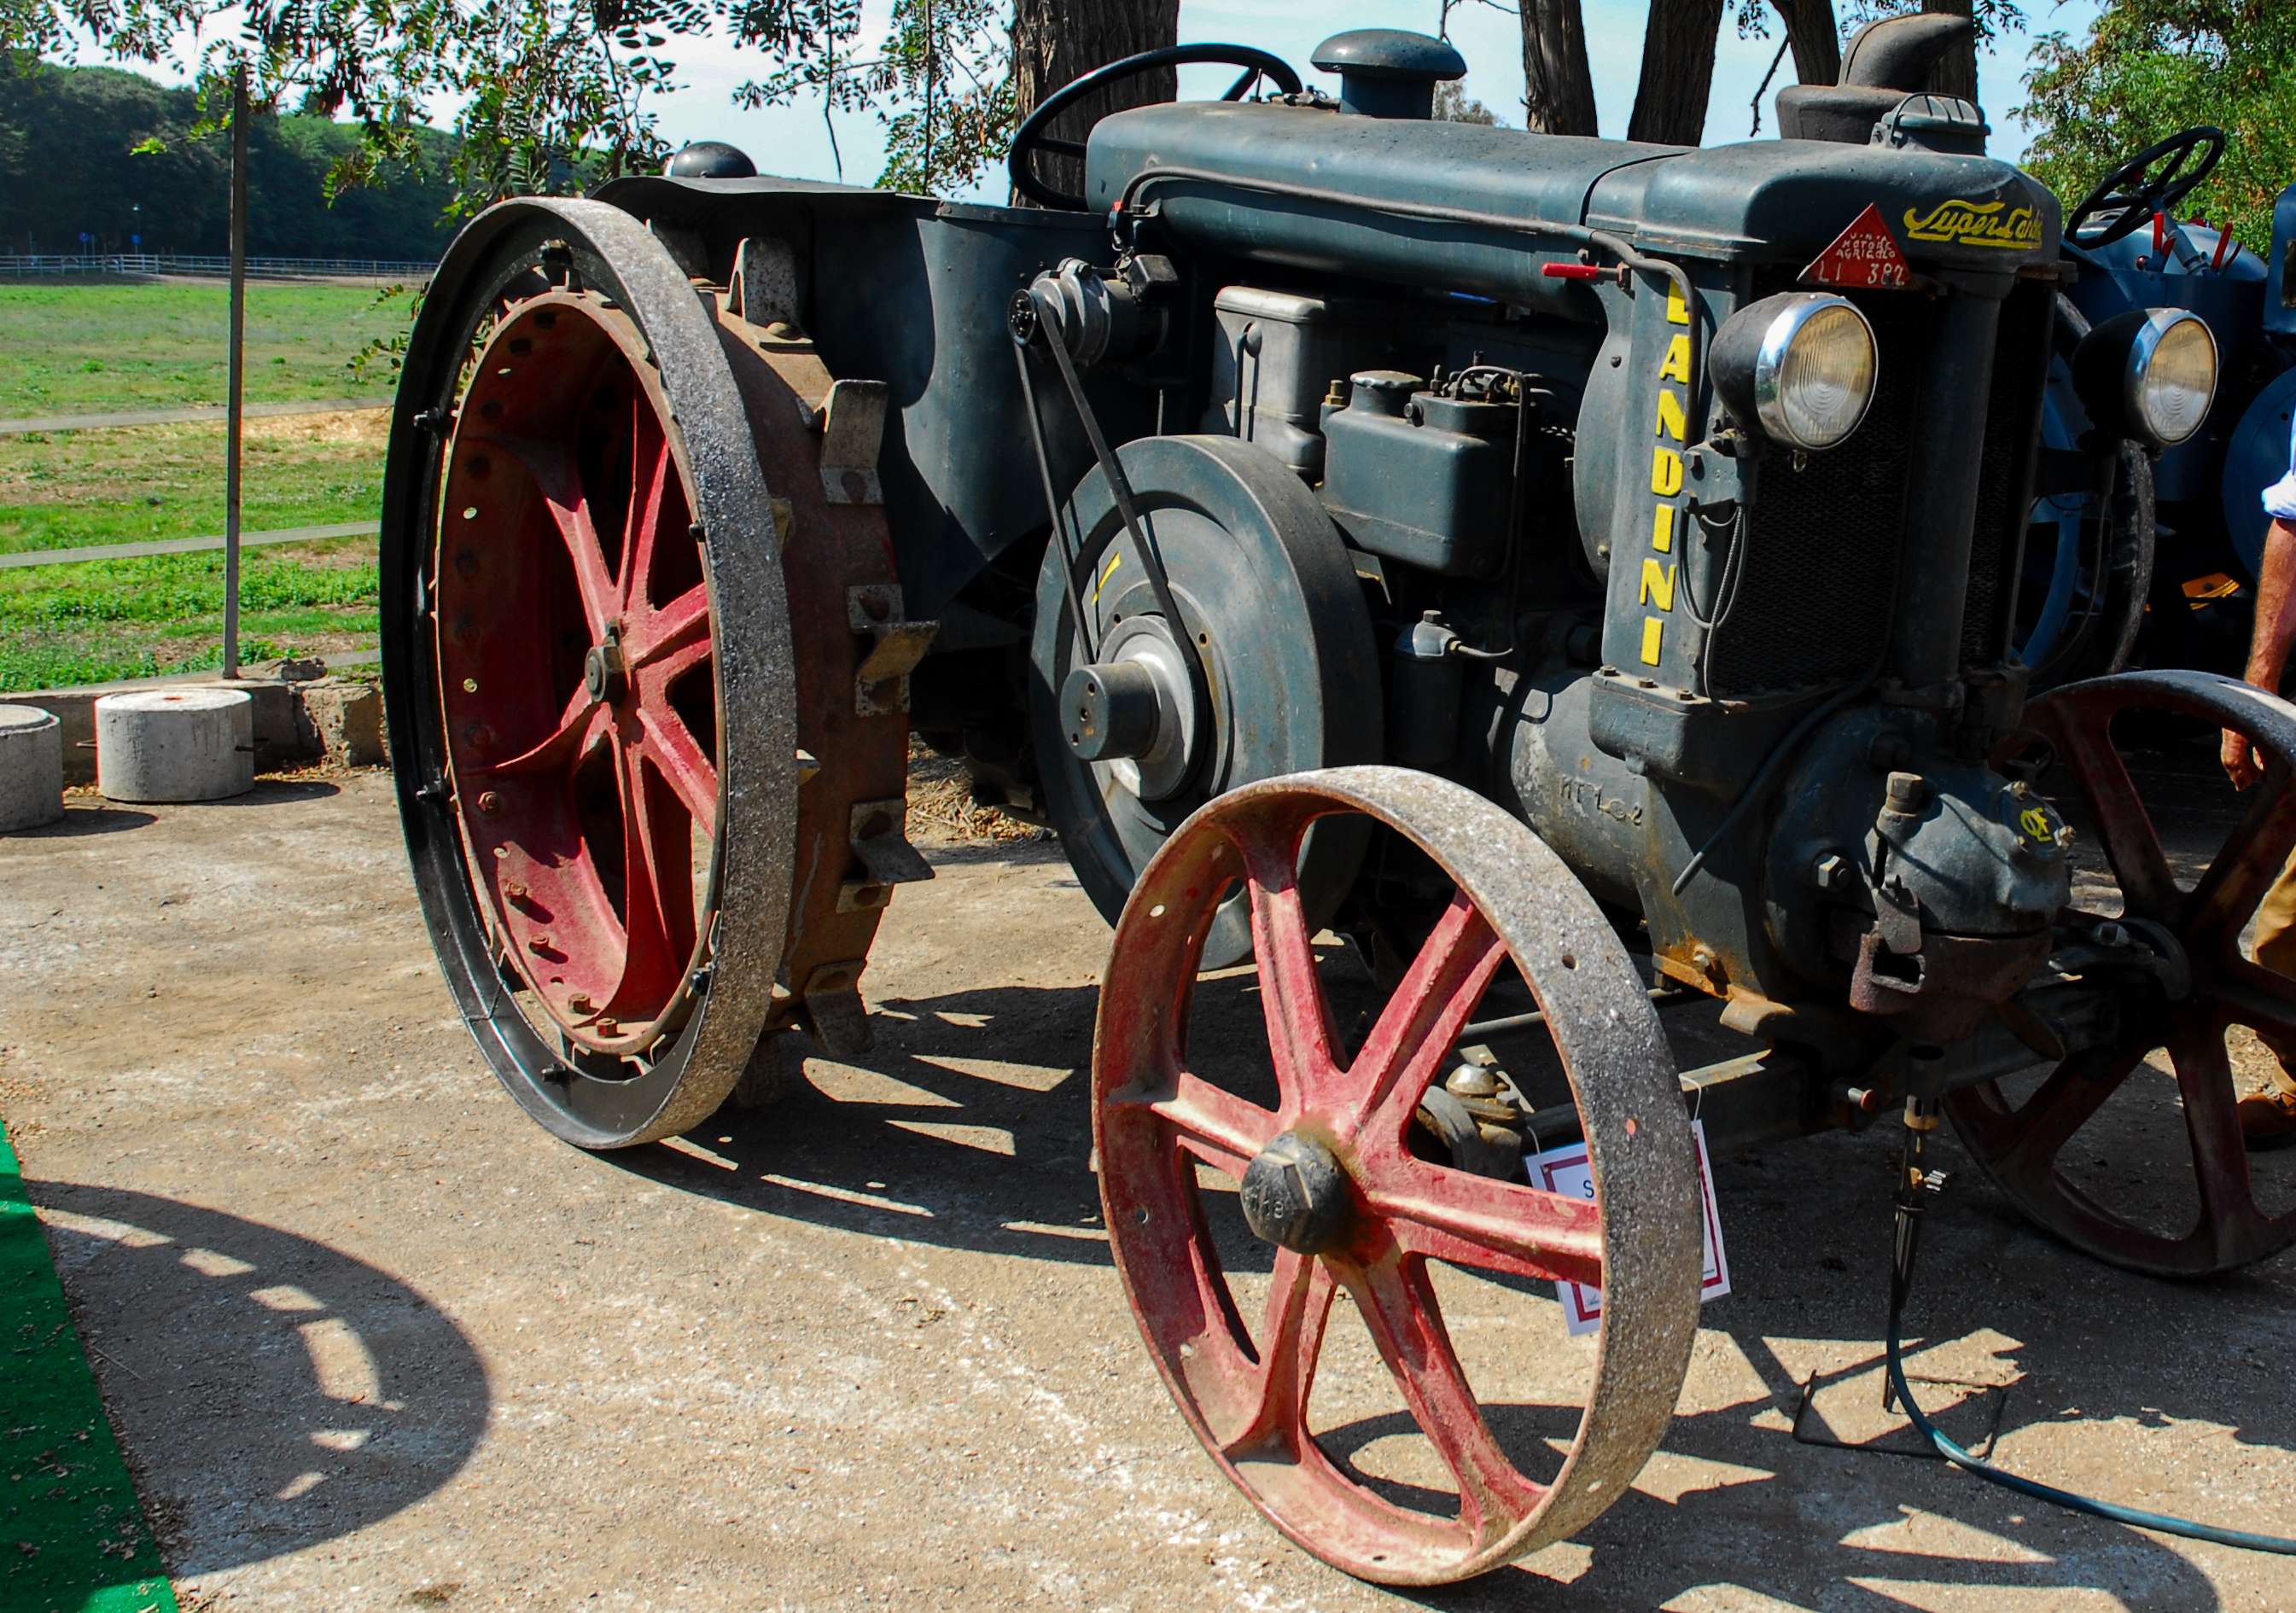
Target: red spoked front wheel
[(1342, 1203), (2132, 1151)]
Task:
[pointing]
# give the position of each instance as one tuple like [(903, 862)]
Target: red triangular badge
[(1864, 257)]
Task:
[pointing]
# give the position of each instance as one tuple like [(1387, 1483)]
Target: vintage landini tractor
[(1453, 590)]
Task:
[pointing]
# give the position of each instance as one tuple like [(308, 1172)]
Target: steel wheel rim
[(2019, 1144), (1244, 1389), (693, 1050)]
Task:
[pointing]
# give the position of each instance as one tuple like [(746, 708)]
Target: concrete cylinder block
[(31, 767), (184, 744)]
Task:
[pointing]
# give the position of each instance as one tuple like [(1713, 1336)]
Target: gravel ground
[(370, 1340)]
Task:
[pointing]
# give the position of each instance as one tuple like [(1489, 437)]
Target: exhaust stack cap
[(1389, 72)]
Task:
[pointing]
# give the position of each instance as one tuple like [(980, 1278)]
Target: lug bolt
[(490, 802), (1834, 872), (537, 944)]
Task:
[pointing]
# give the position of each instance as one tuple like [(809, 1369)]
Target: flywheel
[(1138, 719), (653, 809), (1356, 1326)]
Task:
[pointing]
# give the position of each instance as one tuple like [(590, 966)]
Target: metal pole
[(231, 408)]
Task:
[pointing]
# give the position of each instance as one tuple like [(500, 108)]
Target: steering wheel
[(2152, 192), (1030, 137)]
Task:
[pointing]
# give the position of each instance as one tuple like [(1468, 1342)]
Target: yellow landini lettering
[(1658, 584), (1676, 314), (1653, 630), (1662, 530), (1666, 472), (1671, 421), (1676, 366)]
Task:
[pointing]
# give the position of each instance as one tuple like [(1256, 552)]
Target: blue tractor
[(2132, 558)]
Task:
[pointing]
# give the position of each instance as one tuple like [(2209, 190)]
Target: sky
[(792, 141)]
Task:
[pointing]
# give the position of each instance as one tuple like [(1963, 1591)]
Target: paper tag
[(1564, 1170)]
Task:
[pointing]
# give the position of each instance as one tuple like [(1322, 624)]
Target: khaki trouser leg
[(2276, 949)]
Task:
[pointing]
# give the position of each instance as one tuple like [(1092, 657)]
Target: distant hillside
[(68, 166)]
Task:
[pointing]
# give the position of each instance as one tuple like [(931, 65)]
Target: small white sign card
[(1564, 1170)]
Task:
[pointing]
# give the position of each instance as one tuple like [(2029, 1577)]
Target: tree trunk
[(1677, 72), (1055, 41), (1815, 38), (1957, 73), (1558, 89)]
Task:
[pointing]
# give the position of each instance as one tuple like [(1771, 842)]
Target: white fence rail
[(25, 265)]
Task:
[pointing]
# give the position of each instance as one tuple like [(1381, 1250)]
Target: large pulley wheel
[(1285, 677), (593, 674), (1340, 1203), (2205, 983)]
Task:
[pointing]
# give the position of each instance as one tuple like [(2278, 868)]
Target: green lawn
[(94, 349), (64, 489), (102, 619)]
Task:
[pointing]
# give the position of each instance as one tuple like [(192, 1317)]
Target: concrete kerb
[(296, 719)]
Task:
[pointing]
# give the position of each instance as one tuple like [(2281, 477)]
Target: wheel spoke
[(657, 885), (2243, 867), (2262, 999), (1219, 1128), (652, 475), (1421, 1021), (1299, 1303), (568, 501), (2229, 1216), (580, 732), (2148, 888), (1299, 1037), (1399, 1305), (690, 774), (1496, 1226), (651, 637), (2033, 1133)]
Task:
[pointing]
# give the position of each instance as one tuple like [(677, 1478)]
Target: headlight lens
[(1813, 378), (2172, 376)]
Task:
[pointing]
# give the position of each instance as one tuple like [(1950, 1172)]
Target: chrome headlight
[(2150, 374), (1799, 367)]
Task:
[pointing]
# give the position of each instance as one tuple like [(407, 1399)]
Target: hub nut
[(1296, 1196)]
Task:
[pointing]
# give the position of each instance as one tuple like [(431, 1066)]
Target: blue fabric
[(2280, 497)]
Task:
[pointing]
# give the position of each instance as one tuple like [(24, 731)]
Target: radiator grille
[(1813, 604), (2012, 404)]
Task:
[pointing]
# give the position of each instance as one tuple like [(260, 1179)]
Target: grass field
[(97, 348)]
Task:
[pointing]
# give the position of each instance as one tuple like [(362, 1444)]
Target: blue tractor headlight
[(2149, 375)]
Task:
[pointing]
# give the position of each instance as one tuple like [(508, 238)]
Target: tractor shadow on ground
[(969, 1125), (269, 1392)]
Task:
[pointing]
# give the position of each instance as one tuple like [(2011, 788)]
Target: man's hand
[(2240, 760)]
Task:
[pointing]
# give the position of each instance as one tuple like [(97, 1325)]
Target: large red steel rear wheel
[(1355, 1210), (2022, 1143), (623, 623)]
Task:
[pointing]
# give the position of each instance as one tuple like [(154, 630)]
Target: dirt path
[(373, 1340)]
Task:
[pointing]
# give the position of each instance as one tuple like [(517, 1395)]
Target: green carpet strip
[(72, 1538)]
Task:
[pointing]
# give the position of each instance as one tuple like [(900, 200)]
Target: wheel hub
[(1295, 1195), (603, 669), (1135, 711)]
